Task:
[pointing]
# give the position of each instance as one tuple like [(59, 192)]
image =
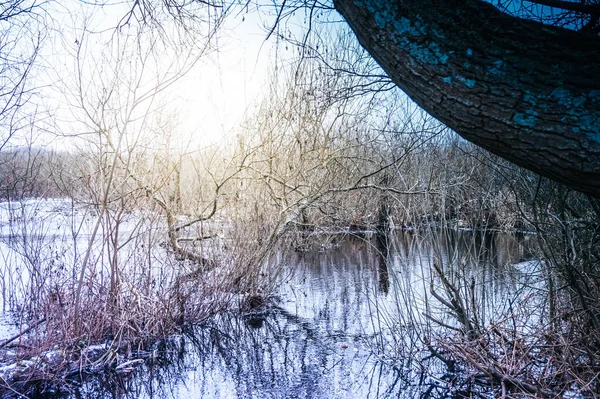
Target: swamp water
[(344, 325)]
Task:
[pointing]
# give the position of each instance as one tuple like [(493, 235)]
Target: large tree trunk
[(525, 91)]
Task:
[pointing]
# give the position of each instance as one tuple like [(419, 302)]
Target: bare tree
[(21, 37), (113, 102)]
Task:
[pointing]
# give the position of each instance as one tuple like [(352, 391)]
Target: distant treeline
[(444, 180)]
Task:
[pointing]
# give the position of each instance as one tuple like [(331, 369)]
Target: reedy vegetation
[(159, 237)]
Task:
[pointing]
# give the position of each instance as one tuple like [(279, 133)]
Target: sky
[(216, 96), (209, 102)]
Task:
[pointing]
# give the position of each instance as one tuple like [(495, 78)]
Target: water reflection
[(345, 326), (286, 358)]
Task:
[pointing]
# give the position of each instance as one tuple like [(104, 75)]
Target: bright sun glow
[(207, 103), (216, 96)]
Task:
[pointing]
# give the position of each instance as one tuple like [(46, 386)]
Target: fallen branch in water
[(23, 332)]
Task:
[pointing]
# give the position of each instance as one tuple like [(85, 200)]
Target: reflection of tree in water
[(286, 358), (334, 334)]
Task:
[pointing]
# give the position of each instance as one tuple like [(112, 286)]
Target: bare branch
[(585, 8)]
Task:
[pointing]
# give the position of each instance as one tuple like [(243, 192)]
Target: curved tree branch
[(525, 91)]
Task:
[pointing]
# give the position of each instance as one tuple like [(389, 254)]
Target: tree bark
[(525, 91)]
